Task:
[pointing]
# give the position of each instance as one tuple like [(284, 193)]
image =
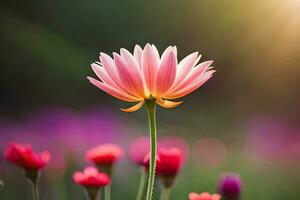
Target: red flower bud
[(90, 177), (92, 180), (23, 156), (204, 196), (169, 162), (139, 148), (106, 154)]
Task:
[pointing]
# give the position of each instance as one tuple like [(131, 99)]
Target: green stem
[(92, 197), (34, 191), (107, 192), (139, 195), (165, 194), (32, 176), (93, 193), (151, 109)]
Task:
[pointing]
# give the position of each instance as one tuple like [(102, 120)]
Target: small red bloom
[(23, 156), (106, 154), (173, 141), (91, 177), (204, 196), (139, 148), (168, 163)]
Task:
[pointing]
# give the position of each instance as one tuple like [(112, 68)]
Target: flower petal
[(168, 104), (129, 59), (90, 171), (129, 75), (166, 51), (216, 197), (132, 62), (103, 75), (193, 196), (78, 177), (198, 71), (113, 92), (184, 68), (166, 73), (190, 88), (109, 66), (175, 51), (133, 108), (137, 53), (150, 62)]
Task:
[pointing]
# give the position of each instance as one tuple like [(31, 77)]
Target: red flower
[(23, 156), (90, 177), (106, 154), (139, 148), (168, 162), (172, 141), (204, 196)]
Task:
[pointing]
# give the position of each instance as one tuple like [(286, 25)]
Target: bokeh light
[(210, 152)]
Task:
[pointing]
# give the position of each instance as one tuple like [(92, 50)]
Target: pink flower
[(204, 196), (90, 177), (146, 75), (106, 154), (23, 156)]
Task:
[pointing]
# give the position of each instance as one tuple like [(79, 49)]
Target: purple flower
[(230, 186)]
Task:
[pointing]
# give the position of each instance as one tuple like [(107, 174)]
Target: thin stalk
[(141, 187), (92, 197), (32, 176), (34, 191), (107, 192), (93, 193), (165, 194), (151, 110)]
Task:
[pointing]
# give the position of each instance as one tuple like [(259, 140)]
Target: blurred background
[(244, 120)]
